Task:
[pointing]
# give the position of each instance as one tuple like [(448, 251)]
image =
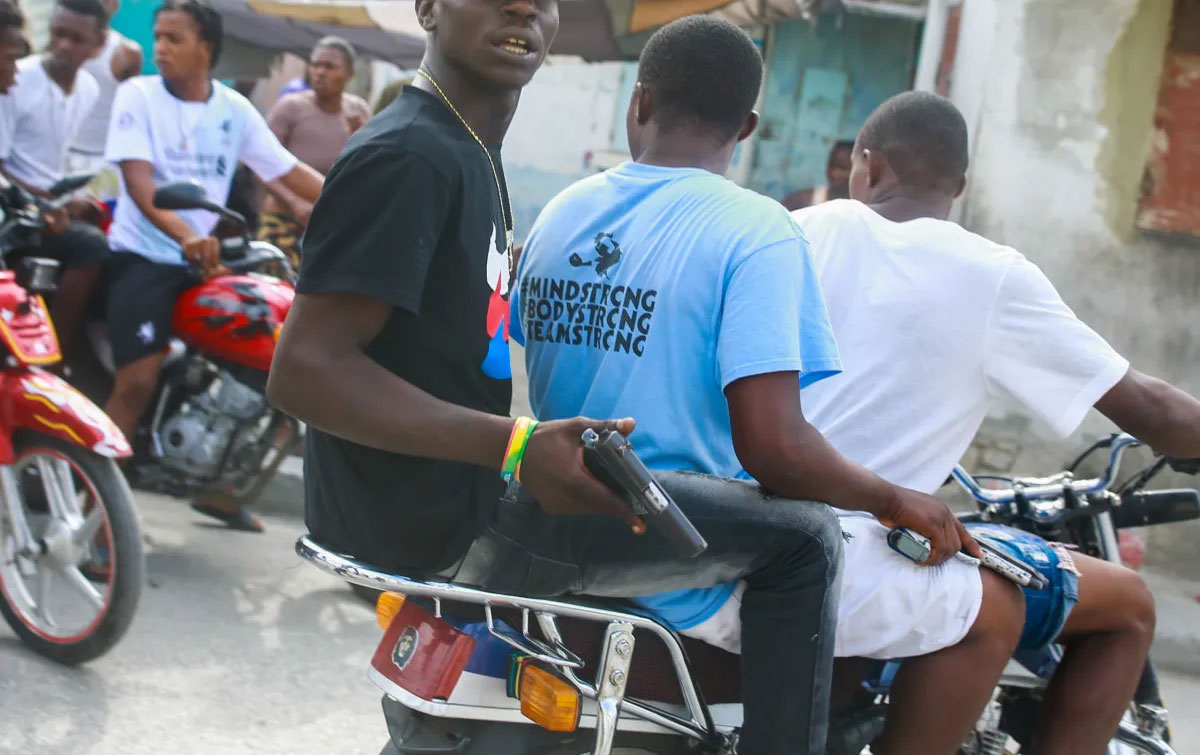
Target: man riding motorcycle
[(180, 125), (395, 354), (45, 110), (934, 323)]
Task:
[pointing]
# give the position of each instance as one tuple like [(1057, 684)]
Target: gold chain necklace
[(501, 194)]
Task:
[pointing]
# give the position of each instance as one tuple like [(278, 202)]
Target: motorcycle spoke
[(91, 525), (43, 596), (81, 584)]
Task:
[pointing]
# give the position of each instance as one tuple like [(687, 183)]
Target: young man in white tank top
[(118, 60)]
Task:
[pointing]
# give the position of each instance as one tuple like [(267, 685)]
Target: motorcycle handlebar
[(1053, 487)]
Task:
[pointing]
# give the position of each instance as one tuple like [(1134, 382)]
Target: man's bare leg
[(937, 698), (1107, 638), (133, 390), (70, 302)]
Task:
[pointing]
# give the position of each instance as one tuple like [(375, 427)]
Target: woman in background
[(314, 125)]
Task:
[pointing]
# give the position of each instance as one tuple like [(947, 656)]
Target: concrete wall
[(824, 78), (566, 118), (1061, 99)]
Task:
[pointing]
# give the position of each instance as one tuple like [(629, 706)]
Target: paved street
[(237, 648), (240, 648)]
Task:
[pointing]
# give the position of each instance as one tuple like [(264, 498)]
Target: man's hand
[(553, 471), (930, 517), (57, 221), (204, 252), (83, 208)]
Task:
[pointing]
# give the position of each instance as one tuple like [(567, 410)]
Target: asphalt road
[(238, 647)]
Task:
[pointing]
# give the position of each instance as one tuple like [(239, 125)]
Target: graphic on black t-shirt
[(608, 254), (496, 363), (595, 315)]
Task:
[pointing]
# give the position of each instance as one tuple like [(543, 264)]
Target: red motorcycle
[(210, 428), (71, 563)]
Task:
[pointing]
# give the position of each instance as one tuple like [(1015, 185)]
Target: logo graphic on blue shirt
[(608, 254), (596, 315)]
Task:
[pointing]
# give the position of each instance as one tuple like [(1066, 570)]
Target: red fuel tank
[(234, 317)]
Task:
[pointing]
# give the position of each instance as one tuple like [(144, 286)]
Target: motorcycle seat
[(652, 677)]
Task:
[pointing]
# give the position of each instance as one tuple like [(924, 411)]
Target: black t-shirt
[(410, 215)]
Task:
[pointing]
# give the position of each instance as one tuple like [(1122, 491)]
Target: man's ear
[(643, 104), (962, 186), (877, 166), (749, 126), (425, 14)]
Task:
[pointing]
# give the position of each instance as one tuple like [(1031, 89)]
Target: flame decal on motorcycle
[(251, 304), (47, 389)]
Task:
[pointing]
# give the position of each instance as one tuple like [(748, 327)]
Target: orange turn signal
[(549, 701), (386, 607)]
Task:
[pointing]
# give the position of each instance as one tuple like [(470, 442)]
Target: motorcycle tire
[(126, 561)]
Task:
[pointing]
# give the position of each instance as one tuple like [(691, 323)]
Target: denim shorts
[(1046, 610)]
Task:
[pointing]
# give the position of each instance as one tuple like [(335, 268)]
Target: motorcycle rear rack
[(608, 687)]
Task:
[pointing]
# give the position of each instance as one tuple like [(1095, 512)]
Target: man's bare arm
[(139, 181), (790, 457), (322, 375), (302, 181), (127, 61), (1156, 413)]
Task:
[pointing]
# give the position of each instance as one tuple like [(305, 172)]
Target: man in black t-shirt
[(395, 353)]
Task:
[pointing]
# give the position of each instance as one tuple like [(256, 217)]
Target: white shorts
[(889, 607)]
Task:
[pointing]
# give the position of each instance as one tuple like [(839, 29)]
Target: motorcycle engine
[(197, 437)]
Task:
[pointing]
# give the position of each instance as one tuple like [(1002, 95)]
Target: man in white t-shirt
[(50, 100), (935, 323), (181, 125)]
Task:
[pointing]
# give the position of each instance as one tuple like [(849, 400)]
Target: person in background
[(119, 59), (50, 101), (837, 176), (314, 125), (13, 47), (180, 125)]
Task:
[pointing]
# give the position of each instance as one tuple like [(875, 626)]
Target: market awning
[(388, 29)]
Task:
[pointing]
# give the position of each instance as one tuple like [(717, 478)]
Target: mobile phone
[(916, 548)]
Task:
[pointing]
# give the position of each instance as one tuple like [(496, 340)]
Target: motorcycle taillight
[(422, 654)]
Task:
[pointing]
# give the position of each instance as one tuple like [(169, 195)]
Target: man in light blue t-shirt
[(642, 293)]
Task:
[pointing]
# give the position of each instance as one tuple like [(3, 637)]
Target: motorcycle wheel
[(80, 504)]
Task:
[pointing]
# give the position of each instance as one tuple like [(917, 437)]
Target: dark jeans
[(788, 552)]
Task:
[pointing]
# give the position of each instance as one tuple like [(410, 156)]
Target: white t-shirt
[(185, 141), (7, 118), (45, 121), (934, 323)]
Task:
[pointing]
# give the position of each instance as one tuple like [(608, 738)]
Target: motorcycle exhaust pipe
[(1148, 507)]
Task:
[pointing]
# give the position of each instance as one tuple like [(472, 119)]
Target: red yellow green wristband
[(510, 468)]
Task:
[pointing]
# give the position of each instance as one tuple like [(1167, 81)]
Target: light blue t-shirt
[(643, 292)]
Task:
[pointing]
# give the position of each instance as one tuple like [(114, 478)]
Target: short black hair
[(703, 72), (922, 136), (94, 8), (207, 20), (339, 44), (839, 146), (11, 16)]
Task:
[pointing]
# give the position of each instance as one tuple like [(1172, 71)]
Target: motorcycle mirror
[(189, 195), (68, 184)]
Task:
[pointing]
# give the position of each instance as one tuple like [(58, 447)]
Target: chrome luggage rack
[(612, 675)]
